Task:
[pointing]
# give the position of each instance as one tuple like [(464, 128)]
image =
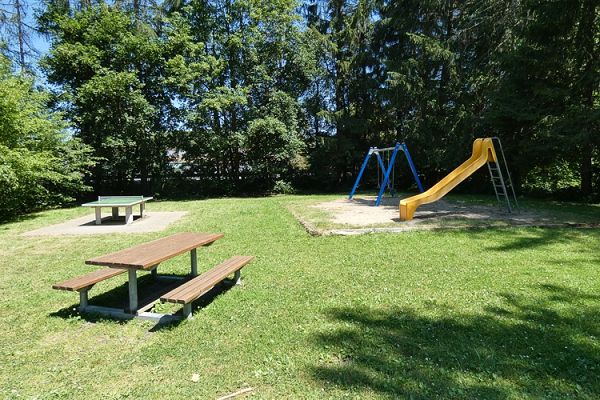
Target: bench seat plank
[(198, 286), (146, 255), (87, 280)]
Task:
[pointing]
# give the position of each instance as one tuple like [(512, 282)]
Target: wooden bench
[(84, 283), (198, 286)]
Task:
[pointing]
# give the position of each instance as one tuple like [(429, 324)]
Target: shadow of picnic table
[(149, 289)]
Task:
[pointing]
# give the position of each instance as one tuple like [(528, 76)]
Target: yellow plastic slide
[(483, 152)]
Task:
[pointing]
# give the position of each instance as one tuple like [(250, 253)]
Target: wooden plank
[(195, 288), (202, 284), (207, 280), (146, 255), (86, 280)]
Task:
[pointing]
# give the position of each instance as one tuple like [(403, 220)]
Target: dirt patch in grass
[(359, 215)]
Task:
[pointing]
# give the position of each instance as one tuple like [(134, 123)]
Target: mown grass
[(494, 313)]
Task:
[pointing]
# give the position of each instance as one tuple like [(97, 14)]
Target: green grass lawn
[(489, 313)]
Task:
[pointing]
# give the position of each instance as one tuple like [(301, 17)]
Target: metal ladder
[(502, 185)]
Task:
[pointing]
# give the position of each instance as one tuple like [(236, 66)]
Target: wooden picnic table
[(148, 256)]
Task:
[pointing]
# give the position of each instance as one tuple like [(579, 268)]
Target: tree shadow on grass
[(544, 345), (7, 220), (542, 237)]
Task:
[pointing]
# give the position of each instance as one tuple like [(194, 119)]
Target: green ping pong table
[(115, 202)]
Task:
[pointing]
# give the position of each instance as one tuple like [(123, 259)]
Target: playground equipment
[(386, 169), (484, 152)]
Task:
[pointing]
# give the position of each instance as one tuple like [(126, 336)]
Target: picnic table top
[(147, 255), (116, 201)]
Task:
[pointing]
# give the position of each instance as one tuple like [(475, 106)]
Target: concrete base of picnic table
[(120, 314)]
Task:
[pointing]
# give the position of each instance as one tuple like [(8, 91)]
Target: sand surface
[(360, 215), (362, 212)]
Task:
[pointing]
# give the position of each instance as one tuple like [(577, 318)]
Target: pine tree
[(17, 34)]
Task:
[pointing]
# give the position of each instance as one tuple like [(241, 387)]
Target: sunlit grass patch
[(488, 313)]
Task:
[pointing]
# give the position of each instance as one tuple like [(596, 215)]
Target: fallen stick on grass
[(236, 394)]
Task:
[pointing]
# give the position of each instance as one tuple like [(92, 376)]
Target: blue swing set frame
[(387, 169)]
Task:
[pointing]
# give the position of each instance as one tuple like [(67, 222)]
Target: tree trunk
[(340, 80), (337, 22), (587, 82), (586, 168), (20, 34), (445, 75)]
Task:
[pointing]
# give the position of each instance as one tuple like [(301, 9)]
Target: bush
[(41, 165), (283, 187)]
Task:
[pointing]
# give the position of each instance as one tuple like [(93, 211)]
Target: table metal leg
[(98, 211), (187, 311), (128, 215), (133, 293), (194, 260), (237, 278), (83, 299), (154, 272), (115, 212)]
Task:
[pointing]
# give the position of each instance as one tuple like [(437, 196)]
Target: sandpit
[(359, 215)]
